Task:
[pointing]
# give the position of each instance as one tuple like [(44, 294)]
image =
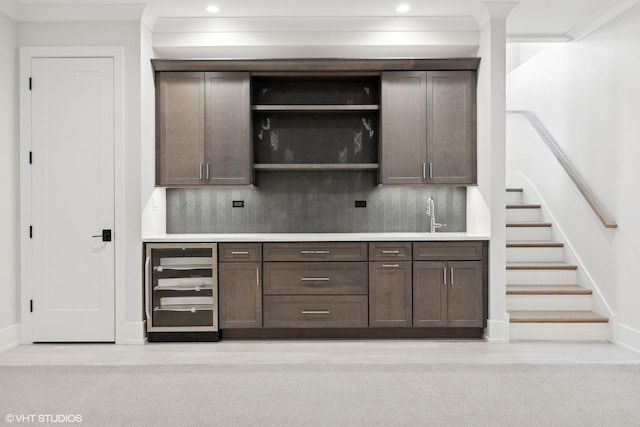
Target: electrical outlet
[(361, 203), (238, 203)]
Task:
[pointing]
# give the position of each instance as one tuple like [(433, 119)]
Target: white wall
[(586, 94), (126, 34), (153, 199), (9, 194)]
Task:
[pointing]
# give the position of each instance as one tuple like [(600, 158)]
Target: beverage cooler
[(181, 292)]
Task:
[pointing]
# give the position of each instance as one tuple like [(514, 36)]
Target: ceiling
[(530, 19)]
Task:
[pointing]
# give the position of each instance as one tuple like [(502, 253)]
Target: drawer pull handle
[(315, 312), (390, 252), (234, 253), (315, 279), (390, 265), (305, 252)]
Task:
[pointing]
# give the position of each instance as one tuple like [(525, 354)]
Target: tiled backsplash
[(313, 202)]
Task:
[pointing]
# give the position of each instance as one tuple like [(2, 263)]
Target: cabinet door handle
[(258, 276), (315, 312), (201, 167), (207, 175), (444, 273), (147, 273), (390, 265), (430, 170), (315, 279), (424, 170), (451, 276), (239, 252), (391, 252)]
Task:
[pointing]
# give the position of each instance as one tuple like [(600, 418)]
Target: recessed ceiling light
[(403, 8), (213, 8)]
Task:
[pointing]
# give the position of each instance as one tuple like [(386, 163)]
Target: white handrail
[(597, 207)]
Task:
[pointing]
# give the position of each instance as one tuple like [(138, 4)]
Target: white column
[(491, 156)]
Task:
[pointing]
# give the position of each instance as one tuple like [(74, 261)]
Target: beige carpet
[(323, 395)]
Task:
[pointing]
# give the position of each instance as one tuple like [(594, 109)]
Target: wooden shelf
[(316, 108), (316, 166)]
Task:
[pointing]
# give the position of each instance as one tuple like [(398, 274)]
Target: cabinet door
[(180, 128), (465, 308), (429, 294), (451, 127), (227, 134), (403, 127), (390, 294), (240, 285)]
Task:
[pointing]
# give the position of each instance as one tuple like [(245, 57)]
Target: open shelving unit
[(305, 123)]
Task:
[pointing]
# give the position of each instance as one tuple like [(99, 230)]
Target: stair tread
[(523, 206), (547, 290), (556, 316), (527, 244), (540, 266), (515, 190), (528, 224)]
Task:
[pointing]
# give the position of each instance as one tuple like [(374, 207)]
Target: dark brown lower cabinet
[(390, 294), (240, 285), (447, 294)]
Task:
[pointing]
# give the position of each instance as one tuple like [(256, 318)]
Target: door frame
[(26, 263)]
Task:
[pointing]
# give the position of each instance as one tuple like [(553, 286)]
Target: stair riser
[(535, 255), (523, 215), (541, 277), (558, 332), (536, 234), (548, 302), (514, 198)]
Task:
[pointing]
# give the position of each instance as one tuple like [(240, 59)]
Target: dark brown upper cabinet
[(428, 127), (203, 129)]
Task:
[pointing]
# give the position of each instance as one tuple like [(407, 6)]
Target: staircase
[(544, 300)]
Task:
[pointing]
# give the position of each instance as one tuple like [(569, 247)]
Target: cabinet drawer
[(232, 252), (447, 251), (282, 278), (315, 311), (315, 251), (390, 251)]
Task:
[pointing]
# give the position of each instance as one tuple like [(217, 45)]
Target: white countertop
[(312, 237)]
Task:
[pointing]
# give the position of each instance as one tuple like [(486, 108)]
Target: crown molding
[(61, 12), (10, 8), (605, 14), (538, 38)]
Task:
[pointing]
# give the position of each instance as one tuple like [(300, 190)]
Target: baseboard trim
[(134, 333), (497, 331), (9, 337), (627, 337)]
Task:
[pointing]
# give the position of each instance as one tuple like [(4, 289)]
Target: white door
[(72, 199)]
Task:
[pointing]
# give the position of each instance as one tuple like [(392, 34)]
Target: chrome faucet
[(431, 211)]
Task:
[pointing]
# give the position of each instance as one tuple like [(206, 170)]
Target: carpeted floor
[(322, 395)]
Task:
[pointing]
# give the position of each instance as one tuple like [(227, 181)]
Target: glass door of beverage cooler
[(181, 287)]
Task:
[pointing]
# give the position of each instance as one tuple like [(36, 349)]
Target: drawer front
[(287, 278), (315, 251), (239, 252), (425, 251), (315, 311), (390, 251)]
